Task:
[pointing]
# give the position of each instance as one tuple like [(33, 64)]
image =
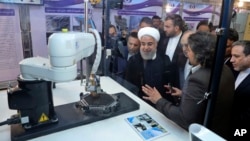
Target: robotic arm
[(33, 99), (65, 50), (37, 75)]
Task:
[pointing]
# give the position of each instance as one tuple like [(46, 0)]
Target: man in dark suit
[(199, 51), (132, 48), (169, 44), (241, 62)]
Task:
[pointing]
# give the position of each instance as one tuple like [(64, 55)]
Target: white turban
[(150, 31)]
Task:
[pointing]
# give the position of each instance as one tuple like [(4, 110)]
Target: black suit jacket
[(242, 103), (241, 110), (221, 121), (156, 73), (178, 60)]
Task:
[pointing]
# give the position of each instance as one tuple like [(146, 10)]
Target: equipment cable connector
[(12, 120)]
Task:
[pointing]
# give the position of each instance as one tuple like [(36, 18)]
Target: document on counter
[(146, 127)]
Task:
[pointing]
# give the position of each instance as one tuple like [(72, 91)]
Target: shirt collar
[(195, 68), (247, 71), (177, 37)]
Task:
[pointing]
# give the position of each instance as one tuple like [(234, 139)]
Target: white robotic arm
[(65, 50), (38, 73)]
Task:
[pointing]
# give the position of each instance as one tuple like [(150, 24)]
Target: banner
[(53, 17), (247, 29), (134, 10), (11, 51), (194, 13)]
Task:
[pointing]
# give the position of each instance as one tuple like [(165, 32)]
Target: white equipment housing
[(65, 50), (198, 132)]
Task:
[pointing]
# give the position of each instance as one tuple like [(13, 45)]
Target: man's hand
[(173, 91), (153, 94)]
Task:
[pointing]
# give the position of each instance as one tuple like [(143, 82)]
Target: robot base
[(69, 116)]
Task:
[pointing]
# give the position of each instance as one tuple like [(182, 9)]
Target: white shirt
[(172, 44), (242, 75), (129, 55)]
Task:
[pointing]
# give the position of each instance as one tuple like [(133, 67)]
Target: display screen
[(34, 2)]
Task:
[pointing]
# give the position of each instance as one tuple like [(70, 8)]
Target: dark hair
[(133, 34), (203, 45), (177, 20), (205, 23), (112, 26), (233, 35), (146, 20), (214, 27), (156, 17), (245, 44)]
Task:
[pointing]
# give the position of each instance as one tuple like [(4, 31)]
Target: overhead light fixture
[(168, 8), (240, 4), (244, 0)]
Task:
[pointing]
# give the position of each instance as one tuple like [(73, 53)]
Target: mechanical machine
[(33, 98), (38, 74)]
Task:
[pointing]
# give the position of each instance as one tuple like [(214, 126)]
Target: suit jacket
[(178, 60), (242, 104), (120, 62), (195, 86), (156, 73), (221, 121)]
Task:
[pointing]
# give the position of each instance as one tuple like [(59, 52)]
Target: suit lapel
[(244, 83), (177, 51)]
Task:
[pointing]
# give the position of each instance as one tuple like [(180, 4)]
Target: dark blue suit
[(120, 63)]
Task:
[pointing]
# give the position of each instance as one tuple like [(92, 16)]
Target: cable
[(12, 120), (3, 123)]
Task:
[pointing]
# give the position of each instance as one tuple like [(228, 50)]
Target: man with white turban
[(149, 37), (148, 66)]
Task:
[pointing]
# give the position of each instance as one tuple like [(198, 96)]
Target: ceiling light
[(244, 0), (240, 4)]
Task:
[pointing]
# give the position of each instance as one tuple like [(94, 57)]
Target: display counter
[(110, 129)]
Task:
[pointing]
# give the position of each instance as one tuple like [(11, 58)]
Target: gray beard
[(148, 56)]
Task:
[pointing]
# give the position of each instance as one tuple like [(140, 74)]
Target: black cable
[(12, 120), (3, 123)]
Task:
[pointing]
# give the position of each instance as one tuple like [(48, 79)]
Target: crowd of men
[(172, 66)]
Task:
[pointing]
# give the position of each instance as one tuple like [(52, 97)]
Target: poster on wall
[(194, 13), (64, 15), (11, 52), (247, 29), (34, 2), (53, 17), (134, 10), (172, 7)]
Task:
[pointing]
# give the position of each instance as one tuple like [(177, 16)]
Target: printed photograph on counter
[(146, 126)]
